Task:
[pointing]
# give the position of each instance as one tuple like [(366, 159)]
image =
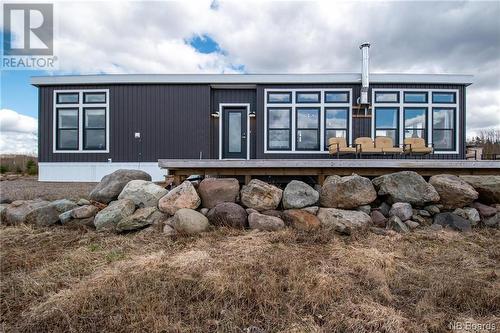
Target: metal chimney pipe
[(365, 72)]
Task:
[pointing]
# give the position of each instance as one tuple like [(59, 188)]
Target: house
[(90, 125)]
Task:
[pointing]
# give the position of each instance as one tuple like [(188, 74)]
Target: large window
[(94, 128), (307, 136), (279, 128), (67, 129), (415, 120), (443, 128), (336, 123), (386, 123)]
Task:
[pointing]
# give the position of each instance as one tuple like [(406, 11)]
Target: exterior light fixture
[(252, 114), (215, 114)]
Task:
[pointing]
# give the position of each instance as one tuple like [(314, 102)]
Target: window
[(443, 128), (386, 123), (94, 129), (336, 97), (415, 97), (279, 128), (335, 124), (444, 97), (67, 129), (94, 97), (279, 97), (307, 136), (67, 98), (308, 97), (387, 97), (415, 122)]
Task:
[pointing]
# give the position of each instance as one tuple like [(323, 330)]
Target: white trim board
[(92, 171), (221, 114)]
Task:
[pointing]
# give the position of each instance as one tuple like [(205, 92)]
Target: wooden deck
[(321, 168)]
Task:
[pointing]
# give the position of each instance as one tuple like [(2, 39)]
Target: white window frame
[(221, 128), (80, 106), (293, 105), (429, 105)]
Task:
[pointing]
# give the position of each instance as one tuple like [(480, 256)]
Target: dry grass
[(76, 280)]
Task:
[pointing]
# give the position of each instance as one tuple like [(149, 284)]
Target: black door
[(234, 133)]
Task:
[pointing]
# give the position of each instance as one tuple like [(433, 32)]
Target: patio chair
[(338, 146), (416, 146), (387, 145), (365, 145)]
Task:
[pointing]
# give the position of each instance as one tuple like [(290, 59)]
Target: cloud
[(18, 133)]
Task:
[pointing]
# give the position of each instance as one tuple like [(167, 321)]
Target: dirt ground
[(29, 188)]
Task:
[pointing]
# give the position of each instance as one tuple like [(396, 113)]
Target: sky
[(265, 37)]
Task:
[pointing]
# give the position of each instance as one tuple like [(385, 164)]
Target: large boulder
[(343, 221), (347, 192), (183, 196), (484, 210), (141, 218), (38, 212), (472, 215), (260, 195), (188, 221), (265, 222), (143, 193), (453, 191), (112, 185), (402, 210), (214, 191), (492, 221), (452, 220), (488, 187), (406, 186), (298, 194), (108, 218), (228, 214), (301, 220)]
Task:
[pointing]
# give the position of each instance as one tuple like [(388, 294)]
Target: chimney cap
[(365, 44)]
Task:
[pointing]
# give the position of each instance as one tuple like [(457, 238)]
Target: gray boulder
[(214, 191), (385, 208), (402, 210), (397, 225), (298, 194), (406, 186), (65, 217), (424, 213), (343, 221), (16, 212), (108, 218), (484, 210), (63, 205), (112, 185), (228, 214), (365, 209), (84, 212), (378, 219), (83, 202), (188, 221), (432, 209), (38, 212), (143, 193), (260, 195), (488, 187), (141, 218), (453, 221), (492, 221), (265, 222), (183, 196), (453, 191), (347, 192)]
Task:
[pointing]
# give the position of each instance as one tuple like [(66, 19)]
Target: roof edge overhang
[(250, 79)]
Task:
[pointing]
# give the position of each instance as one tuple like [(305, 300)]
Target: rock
[(436, 227), (343, 221), (378, 219), (204, 211), (63, 205), (365, 209), (420, 220), (65, 217), (385, 208), (228, 214), (453, 191), (260, 195), (143, 193), (188, 221), (141, 218), (412, 224), (484, 211), (312, 209), (168, 230), (83, 202), (492, 221), (488, 187), (402, 210), (214, 191), (250, 211), (347, 192), (460, 212), (273, 212), (18, 210), (406, 186), (298, 194), (183, 196), (472, 215), (112, 185), (38, 212), (84, 212), (432, 209), (451, 220), (301, 220), (265, 222), (397, 225), (108, 218), (424, 213)]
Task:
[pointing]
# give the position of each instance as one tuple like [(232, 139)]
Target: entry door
[(234, 133)]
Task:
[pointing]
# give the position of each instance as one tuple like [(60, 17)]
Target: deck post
[(321, 179), (248, 178)]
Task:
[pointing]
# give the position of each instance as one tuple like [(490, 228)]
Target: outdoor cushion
[(340, 141), (421, 150), (384, 142), (333, 150), (371, 150), (392, 150)]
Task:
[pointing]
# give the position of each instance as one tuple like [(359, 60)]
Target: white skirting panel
[(91, 171)]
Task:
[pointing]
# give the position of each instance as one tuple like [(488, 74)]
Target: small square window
[(279, 97), (308, 97), (443, 97), (415, 97), (387, 97), (336, 97), (67, 98), (94, 97)]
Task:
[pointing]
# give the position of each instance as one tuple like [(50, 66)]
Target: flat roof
[(248, 78)]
